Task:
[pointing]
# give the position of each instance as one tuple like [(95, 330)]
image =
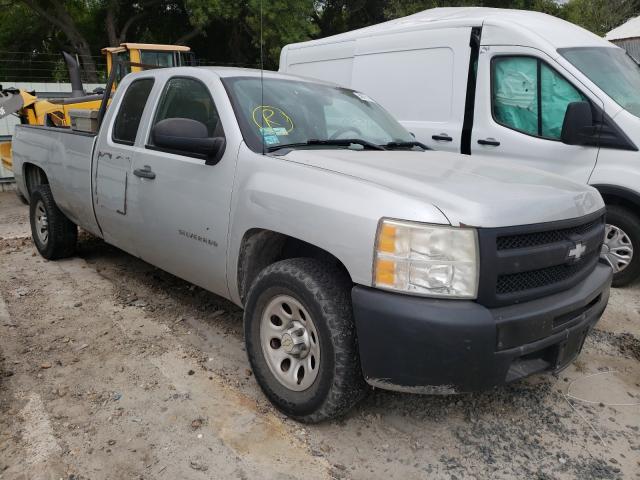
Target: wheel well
[(622, 201), (260, 248), (33, 177)]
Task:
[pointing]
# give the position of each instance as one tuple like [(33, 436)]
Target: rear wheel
[(54, 235), (301, 340), (621, 248)]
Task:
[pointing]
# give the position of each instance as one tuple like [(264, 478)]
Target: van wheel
[(621, 247), (54, 235), (301, 339)]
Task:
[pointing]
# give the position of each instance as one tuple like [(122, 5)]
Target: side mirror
[(578, 128), (187, 136)]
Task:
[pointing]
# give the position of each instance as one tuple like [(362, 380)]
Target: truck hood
[(469, 191)]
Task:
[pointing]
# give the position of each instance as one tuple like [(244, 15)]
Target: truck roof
[(552, 30), (225, 72)]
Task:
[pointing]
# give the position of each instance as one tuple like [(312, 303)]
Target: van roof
[(552, 30)]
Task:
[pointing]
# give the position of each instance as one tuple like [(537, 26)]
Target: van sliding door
[(421, 78)]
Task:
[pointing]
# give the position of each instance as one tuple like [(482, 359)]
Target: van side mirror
[(578, 128), (187, 136)]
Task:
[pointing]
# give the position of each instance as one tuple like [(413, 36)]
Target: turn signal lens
[(387, 238), (385, 272), (430, 260)]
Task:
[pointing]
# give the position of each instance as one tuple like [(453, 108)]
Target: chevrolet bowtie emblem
[(577, 252)]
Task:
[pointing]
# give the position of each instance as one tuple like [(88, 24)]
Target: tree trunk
[(110, 23), (90, 68), (188, 36), (61, 18)]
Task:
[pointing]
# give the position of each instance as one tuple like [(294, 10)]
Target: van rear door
[(421, 78), (521, 100)]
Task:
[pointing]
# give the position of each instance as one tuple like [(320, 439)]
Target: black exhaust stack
[(77, 89)]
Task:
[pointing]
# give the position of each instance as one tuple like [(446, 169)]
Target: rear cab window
[(125, 127)]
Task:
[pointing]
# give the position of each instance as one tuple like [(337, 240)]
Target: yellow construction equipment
[(145, 54), (126, 58)]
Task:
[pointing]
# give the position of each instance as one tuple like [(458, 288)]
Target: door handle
[(443, 137), (145, 172), (489, 141)]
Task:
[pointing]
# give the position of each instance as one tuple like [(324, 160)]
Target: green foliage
[(283, 21), (601, 16), (226, 31), (400, 8), (59, 72), (20, 32)]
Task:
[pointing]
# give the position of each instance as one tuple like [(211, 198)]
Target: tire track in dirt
[(37, 432), (264, 443)]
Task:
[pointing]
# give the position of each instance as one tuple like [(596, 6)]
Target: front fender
[(335, 212)]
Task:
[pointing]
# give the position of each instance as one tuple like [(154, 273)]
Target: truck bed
[(65, 156)]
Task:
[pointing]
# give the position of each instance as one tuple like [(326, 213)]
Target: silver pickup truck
[(358, 255)]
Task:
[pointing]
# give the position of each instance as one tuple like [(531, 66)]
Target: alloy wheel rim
[(42, 223), (290, 343), (617, 250)]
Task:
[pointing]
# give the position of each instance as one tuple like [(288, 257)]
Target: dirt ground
[(112, 369)]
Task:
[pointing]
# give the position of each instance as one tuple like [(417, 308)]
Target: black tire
[(629, 223), (325, 293), (62, 233)]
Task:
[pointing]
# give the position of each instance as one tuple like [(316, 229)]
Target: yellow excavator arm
[(33, 111)]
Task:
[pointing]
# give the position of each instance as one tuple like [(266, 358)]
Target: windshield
[(612, 70), (296, 112), (161, 59)]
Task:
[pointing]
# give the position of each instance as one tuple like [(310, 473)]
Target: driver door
[(521, 100), (183, 203)]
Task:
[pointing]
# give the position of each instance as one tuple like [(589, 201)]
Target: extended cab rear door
[(182, 202), (521, 99), (113, 159)]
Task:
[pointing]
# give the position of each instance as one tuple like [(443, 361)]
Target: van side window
[(515, 93), (189, 98), (556, 95), (128, 119), (529, 96)]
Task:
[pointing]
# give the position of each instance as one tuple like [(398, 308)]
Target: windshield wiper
[(345, 142), (410, 144), (339, 142)]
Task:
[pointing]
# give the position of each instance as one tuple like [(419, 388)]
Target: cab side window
[(189, 98), (128, 118), (529, 96)]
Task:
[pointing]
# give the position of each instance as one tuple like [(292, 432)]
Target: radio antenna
[(262, 77)]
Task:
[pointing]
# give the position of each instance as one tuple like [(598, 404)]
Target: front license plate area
[(568, 350)]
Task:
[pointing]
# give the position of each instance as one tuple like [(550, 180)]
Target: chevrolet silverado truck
[(358, 255)]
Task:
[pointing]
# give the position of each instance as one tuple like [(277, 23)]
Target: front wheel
[(621, 247), (301, 339)]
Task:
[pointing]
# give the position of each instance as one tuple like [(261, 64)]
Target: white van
[(512, 85)]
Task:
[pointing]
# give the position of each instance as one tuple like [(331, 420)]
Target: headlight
[(430, 260)]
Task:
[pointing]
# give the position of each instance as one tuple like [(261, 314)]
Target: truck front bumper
[(421, 345)]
